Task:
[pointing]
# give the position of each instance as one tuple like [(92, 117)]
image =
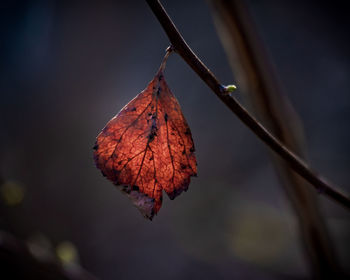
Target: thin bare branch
[(298, 165)]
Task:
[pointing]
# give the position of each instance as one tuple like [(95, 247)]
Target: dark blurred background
[(67, 67)]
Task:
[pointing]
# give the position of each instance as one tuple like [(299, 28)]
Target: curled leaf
[(147, 148)]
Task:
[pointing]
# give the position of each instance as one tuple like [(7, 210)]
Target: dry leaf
[(147, 148)]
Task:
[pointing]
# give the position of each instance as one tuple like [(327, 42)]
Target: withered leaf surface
[(147, 148)]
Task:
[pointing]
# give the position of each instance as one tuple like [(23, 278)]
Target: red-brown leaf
[(147, 148)]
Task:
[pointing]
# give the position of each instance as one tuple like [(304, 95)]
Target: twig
[(298, 165)]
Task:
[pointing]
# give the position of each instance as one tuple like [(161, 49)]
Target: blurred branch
[(296, 163), (260, 85), (17, 262)]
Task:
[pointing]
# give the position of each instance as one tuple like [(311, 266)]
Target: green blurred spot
[(230, 88), (12, 193), (259, 236), (67, 252)]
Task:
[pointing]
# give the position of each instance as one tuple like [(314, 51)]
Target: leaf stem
[(168, 51), (296, 163)]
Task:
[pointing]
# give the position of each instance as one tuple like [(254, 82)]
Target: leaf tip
[(141, 201)]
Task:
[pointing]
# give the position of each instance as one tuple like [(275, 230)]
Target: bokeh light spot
[(67, 253), (12, 193)]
